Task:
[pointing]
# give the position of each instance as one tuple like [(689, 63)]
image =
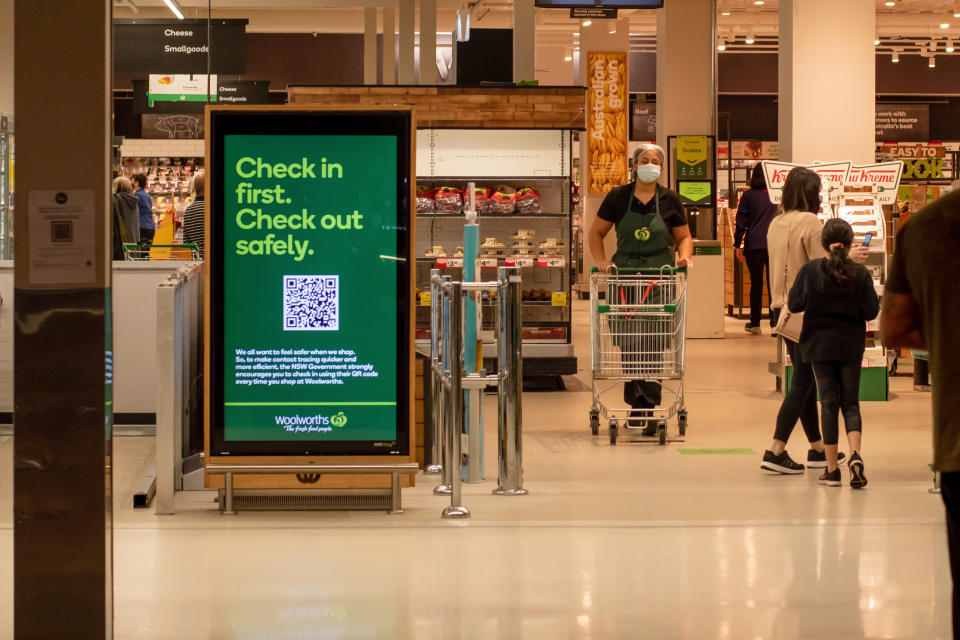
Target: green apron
[(643, 239)]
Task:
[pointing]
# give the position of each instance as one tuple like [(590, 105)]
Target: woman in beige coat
[(792, 241)]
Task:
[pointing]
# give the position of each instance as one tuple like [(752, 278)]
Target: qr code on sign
[(311, 303)]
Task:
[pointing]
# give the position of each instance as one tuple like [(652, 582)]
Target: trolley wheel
[(662, 432), (613, 432), (595, 423), (682, 422)]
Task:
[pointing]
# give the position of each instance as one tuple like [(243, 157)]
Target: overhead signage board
[(884, 178), (179, 46), (618, 4), (222, 91), (593, 13), (309, 254), (903, 122), (915, 150), (607, 120), (181, 88)]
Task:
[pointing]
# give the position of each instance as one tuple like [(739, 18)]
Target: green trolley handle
[(665, 308)]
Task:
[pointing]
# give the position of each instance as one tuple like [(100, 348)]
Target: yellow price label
[(426, 299), (559, 299)]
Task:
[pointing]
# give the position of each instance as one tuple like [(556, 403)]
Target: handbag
[(789, 325)]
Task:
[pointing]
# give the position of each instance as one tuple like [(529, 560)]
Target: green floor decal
[(717, 452)]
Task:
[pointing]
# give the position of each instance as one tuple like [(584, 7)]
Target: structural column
[(428, 41), (389, 46), (6, 57), (408, 15), (63, 585), (524, 40), (686, 69), (823, 43), (370, 45)]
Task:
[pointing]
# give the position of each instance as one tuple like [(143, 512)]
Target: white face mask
[(648, 173)]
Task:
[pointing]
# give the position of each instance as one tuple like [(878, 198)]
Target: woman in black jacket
[(838, 298), (754, 213)]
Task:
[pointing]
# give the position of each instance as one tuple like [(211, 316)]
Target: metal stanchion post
[(510, 405), (454, 352), (436, 450), (446, 417)]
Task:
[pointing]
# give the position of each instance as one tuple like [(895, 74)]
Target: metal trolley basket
[(162, 252), (638, 333)]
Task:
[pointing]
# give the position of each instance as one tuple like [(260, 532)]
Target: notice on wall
[(63, 237), (607, 120), (903, 122), (312, 280)]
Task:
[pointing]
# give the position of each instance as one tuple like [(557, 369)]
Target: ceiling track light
[(587, 23), (722, 46), (175, 8), (613, 27), (750, 39), (933, 62), (895, 57), (949, 48)]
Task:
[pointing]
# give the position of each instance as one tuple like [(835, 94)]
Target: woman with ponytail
[(838, 298)]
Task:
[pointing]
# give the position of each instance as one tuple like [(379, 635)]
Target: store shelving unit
[(541, 160), (6, 188)]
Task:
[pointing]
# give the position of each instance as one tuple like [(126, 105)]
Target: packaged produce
[(436, 252), (425, 203), (448, 200), (502, 200), (528, 200), (482, 198), (491, 247)]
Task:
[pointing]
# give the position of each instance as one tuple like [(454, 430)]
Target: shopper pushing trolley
[(638, 333)]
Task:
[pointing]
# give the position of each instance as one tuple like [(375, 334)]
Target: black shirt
[(834, 319), (615, 206)]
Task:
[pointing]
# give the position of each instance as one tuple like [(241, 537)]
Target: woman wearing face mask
[(651, 227)]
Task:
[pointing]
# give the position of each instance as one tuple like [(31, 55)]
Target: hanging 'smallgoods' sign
[(607, 120), (884, 178), (309, 253), (181, 46)]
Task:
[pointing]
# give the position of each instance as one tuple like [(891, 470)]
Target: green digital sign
[(311, 282)]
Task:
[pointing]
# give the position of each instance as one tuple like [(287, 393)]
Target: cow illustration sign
[(310, 282)]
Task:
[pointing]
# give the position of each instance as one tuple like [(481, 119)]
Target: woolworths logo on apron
[(642, 234)]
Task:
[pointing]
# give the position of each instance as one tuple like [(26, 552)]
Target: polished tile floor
[(632, 541)]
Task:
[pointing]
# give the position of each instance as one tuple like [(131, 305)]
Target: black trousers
[(839, 386), (758, 263), (800, 402), (950, 492), (146, 235)]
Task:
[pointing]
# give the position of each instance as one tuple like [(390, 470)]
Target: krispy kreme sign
[(884, 177)]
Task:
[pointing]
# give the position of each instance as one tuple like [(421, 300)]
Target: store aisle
[(613, 542)]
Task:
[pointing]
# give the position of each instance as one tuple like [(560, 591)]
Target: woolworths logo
[(314, 423), (339, 420)]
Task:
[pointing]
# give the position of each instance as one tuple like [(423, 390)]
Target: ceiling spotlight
[(724, 13), (587, 23), (750, 38), (613, 27), (895, 57), (949, 48), (956, 11), (722, 46), (568, 58), (933, 62), (757, 2), (876, 41), (890, 3), (944, 25)]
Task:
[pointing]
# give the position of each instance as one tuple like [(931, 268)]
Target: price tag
[(489, 263), (426, 299), (551, 261), (558, 299), (449, 263), (520, 262)]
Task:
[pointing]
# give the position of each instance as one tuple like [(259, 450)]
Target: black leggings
[(758, 263), (950, 492), (839, 386), (800, 402)]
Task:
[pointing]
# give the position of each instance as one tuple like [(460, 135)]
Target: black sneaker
[(831, 479), (782, 463), (818, 459), (857, 479)]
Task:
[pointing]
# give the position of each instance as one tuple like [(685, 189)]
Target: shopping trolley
[(163, 252), (638, 333)]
